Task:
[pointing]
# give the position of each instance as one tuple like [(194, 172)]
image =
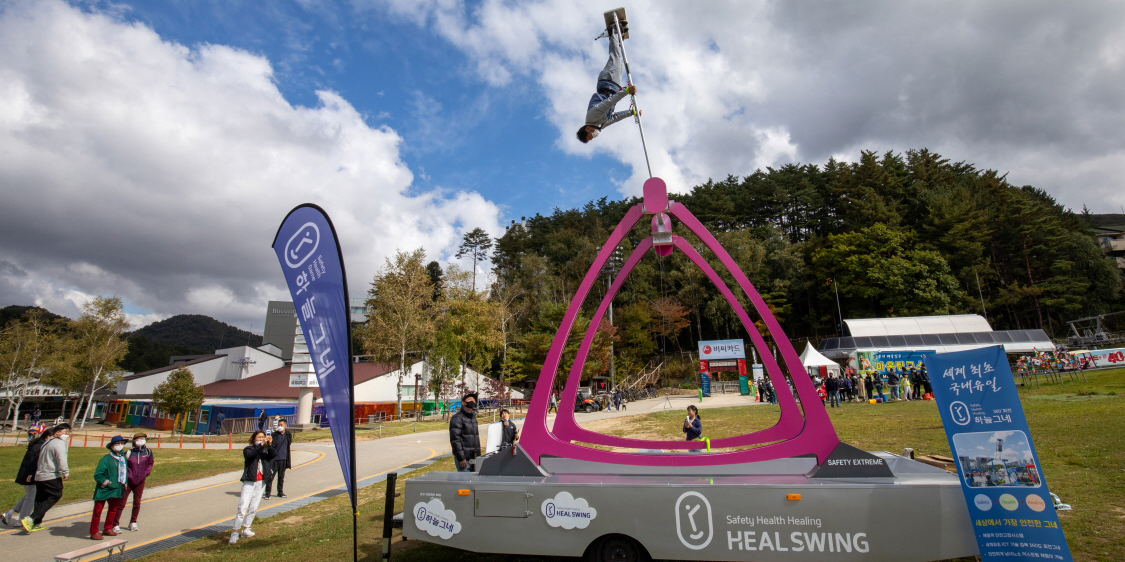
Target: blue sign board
[(1005, 490), (313, 266), (705, 383), (901, 360)]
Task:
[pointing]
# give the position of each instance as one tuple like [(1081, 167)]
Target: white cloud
[(726, 88), (568, 512), (159, 172)]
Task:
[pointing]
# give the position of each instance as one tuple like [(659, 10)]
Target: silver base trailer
[(764, 511)]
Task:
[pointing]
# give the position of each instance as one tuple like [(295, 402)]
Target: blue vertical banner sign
[(307, 247), (1008, 501)]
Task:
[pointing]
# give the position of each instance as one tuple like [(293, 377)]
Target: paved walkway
[(195, 508)]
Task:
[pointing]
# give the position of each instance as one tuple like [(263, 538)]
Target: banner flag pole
[(311, 260)]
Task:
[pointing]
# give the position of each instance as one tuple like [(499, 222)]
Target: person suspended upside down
[(599, 113)]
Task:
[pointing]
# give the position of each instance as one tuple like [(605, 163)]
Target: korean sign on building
[(721, 349), (1005, 490)]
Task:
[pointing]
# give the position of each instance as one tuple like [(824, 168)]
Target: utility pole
[(611, 267), (840, 326)]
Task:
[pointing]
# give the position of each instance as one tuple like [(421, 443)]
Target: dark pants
[(47, 493), (137, 491), (278, 473), (116, 506)]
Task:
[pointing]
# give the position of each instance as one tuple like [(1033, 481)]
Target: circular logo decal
[(960, 413), (983, 502), (1035, 502), (706, 350), (1009, 502)]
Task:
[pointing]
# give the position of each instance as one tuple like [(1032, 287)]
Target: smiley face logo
[(693, 520), (960, 413), (302, 245), (707, 350)]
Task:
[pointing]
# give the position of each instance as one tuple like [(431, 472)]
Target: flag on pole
[(307, 247)]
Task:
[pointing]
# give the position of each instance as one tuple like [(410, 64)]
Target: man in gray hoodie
[(599, 112), (49, 476)]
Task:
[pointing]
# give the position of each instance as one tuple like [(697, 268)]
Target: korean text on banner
[(1011, 510), (310, 257)]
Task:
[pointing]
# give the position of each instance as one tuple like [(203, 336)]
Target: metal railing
[(248, 425)]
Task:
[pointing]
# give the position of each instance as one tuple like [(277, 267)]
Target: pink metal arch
[(796, 435)]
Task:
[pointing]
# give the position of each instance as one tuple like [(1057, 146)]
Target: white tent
[(813, 361)]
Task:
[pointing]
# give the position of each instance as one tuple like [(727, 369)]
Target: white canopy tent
[(813, 361)]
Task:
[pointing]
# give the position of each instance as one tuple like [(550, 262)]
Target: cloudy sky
[(149, 149)]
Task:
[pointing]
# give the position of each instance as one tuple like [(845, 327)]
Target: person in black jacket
[(832, 385), (281, 441), (263, 420), (256, 469), (693, 427), (26, 477), (464, 437), (510, 433)]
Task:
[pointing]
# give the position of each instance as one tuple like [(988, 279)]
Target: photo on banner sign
[(996, 459)]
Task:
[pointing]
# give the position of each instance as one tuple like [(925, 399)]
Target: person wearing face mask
[(281, 441), (464, 437), (141, 461), (510, 433), (50, 474), (256, 470), (109, 481), (26, 478)]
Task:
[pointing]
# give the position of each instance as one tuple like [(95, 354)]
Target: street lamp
[(610, 269)]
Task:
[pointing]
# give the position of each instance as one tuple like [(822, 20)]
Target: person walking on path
[(464, 437), (38, 414), (263, 420), (109, 480), (256, 468), (281, 441), (599, 112), (554, 404), (510, 433), (140, 460), (693, 427), (51, 471), (26, 477), (617, 400)]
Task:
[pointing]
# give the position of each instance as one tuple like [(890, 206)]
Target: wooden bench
[(110, 545)]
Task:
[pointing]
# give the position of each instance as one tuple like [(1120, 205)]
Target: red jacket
[(140, 461)]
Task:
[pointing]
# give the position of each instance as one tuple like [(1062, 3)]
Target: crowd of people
[(122, 474), (893, 384)]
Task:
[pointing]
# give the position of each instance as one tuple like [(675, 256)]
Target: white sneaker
[(117, 529), (247, 532), (234, 537), (133, 527)]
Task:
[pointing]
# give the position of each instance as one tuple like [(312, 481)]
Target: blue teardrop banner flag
[(307, 247), (1005, 490)]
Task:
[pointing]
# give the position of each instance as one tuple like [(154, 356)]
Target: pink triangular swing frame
[(792, 435)]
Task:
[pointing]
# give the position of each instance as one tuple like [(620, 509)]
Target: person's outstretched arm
[(606, 105)]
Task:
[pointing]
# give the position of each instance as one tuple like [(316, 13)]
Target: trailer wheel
[(589, 409), (616, 548)]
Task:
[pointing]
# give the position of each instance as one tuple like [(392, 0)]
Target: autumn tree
[(34, 350), (178, 395), (100, 348), (400, 312), (470, 321)]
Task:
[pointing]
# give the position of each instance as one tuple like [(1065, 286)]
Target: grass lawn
[(1078, 428), (172, 465)]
